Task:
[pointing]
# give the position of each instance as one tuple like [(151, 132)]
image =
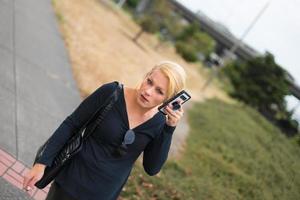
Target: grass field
[(231, 153)]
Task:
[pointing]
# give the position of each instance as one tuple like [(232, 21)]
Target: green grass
[(232, 153)]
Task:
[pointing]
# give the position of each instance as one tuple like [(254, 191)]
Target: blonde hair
[(174, 73)]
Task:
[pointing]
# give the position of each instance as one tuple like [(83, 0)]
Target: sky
[(276, 31)]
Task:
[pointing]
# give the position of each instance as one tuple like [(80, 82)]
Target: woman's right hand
[(33, 176)]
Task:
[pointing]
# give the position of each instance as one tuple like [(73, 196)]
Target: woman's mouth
[(144, 98)]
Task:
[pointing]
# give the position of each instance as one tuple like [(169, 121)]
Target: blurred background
[(239, 138)]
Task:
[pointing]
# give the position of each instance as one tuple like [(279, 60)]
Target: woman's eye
[(160, 92), (149, 81)]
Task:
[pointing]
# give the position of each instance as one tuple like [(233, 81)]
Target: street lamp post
[(257, 17)]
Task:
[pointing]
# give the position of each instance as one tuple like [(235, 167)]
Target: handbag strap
[(103, 110)]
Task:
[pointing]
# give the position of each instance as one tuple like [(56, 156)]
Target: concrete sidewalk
[(37, 90)]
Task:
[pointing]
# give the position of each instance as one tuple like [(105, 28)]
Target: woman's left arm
[(156, 152)]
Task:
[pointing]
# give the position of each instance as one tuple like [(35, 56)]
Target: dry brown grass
[(99, 40)]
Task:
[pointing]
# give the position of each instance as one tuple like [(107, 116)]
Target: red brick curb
[(13, 171)]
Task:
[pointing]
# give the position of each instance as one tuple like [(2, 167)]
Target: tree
[(202, 42), (132, 3), (259, 82), (262, 84), (169, 22), (195, 41), (147, 25)]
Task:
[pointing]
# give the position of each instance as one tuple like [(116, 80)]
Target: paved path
[(9, 192), (37, 89), (12, 172)]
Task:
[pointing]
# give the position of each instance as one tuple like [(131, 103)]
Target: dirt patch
[(99, 38)]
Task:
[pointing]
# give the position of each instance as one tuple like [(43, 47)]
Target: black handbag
[(74, 144)]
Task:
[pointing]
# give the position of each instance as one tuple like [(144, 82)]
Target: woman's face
[(153, 90)]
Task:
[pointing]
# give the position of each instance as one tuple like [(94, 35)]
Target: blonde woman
[(100, 169)]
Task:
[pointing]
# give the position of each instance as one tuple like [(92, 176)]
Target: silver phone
[(181, 98)]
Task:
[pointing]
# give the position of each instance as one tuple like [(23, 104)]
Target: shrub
[(132, 3), (186, 51)]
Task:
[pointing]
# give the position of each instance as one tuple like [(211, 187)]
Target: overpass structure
[(295, 90), (224, 38)]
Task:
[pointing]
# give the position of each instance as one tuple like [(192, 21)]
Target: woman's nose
[(148, 91)]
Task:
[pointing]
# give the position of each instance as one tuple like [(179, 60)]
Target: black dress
[(95, 173)]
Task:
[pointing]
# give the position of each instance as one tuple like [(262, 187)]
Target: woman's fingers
[(173, 116), (33, 176), (32, 182), (26, 181), (27, 185), (174, 113)]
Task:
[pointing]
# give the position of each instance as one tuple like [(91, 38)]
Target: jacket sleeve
[(74, 122), (156, 152)]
